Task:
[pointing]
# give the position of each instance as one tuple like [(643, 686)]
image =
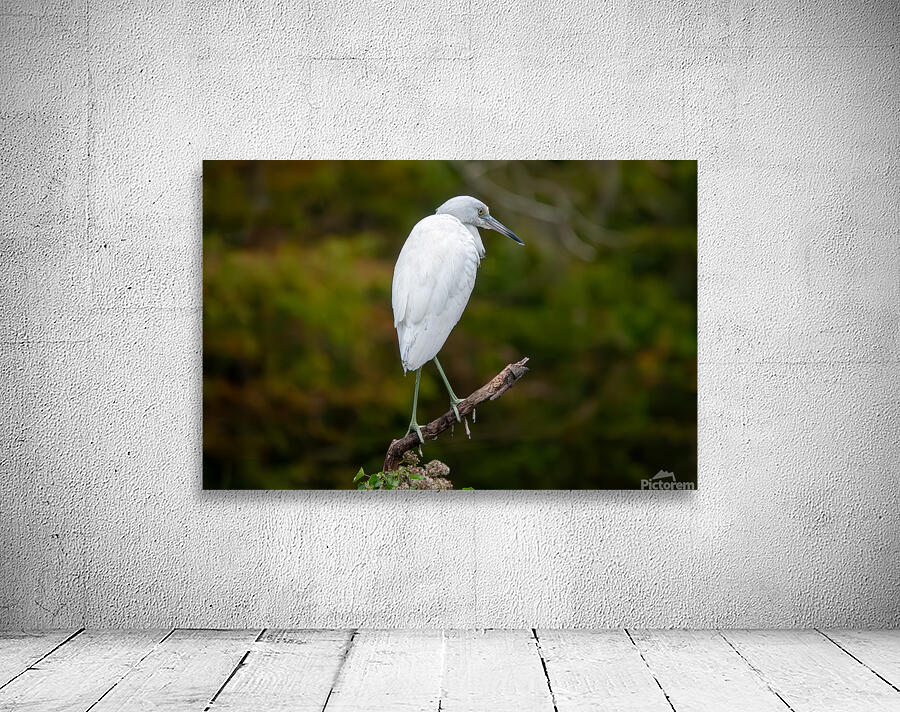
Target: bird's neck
[(477, 237)]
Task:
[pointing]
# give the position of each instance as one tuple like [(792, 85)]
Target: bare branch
[(491, 390)]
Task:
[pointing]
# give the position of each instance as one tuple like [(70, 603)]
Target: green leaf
[(416, 477), (359, 474), (373, 480), (361, 485), (470, 489)]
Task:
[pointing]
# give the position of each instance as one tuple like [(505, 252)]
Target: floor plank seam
[(540, 652), (43, 657), (841, 647), (233, 672), (756, 671), (340, 667), (131, 669), (441, 691), (650, 670)]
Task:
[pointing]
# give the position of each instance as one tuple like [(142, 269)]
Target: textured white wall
[(107, 111)]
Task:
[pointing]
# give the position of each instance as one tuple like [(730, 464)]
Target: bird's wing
[(433, 279)]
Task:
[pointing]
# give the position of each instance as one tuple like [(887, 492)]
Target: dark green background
[(302, 377)]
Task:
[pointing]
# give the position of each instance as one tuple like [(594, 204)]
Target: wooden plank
[(812, 674), (184, 672), (594, 670), (80, 672), (878, 650), (700, 672), (286, 671), (497, 670), (21, 649), (396, 671)]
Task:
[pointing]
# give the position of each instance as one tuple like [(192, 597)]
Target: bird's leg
[(454, 401), (413, 425)]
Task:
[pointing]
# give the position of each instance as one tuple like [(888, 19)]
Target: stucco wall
[(108, 110)]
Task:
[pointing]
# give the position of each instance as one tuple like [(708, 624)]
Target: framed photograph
[(450, 325)]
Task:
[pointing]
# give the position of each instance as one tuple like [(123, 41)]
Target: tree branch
[(491, 390)]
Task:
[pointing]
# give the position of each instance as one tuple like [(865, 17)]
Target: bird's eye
[(481, 211)]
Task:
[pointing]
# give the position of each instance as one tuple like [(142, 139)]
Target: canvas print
[(450, 325)]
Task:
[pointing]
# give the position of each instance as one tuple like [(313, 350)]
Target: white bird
[(433, 279)]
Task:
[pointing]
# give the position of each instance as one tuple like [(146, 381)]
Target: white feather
[(433, 279)]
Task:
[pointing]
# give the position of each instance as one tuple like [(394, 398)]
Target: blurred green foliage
[(302, 377)]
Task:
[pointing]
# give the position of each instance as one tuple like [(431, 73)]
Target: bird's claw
[(415, 427), (453, 403)]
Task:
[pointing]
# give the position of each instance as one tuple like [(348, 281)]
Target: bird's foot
[(453, 403), (414, 427)]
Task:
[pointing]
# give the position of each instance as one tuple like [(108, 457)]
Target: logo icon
[(665, 480)]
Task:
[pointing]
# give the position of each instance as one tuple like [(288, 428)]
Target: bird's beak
[(495, 224)]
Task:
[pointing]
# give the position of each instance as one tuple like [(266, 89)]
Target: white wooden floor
[(450, 671)]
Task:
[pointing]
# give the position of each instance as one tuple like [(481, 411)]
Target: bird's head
[(471, 211)]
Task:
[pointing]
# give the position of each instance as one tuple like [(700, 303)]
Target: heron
[(433, 280)]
